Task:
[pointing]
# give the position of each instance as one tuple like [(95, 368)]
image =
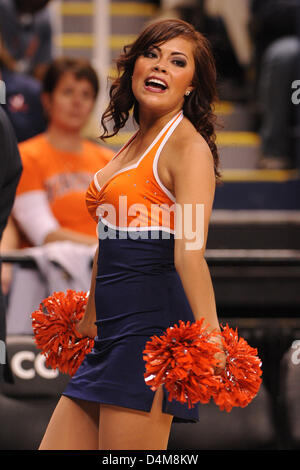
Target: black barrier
[(247, 282), (270, 422)]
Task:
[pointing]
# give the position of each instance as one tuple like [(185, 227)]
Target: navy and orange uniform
[(138, 292)]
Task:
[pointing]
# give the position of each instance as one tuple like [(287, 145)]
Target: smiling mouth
[(156, 85)]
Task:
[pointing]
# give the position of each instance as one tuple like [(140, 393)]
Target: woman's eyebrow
[(179, 53), (172, 53)]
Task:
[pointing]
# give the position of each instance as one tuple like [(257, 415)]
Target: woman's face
[(70, 104), (163, 74)]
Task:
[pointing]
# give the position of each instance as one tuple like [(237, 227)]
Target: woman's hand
[(221, 358), (86, 328)]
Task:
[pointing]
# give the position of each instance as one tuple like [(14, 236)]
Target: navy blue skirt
[(138, 294)]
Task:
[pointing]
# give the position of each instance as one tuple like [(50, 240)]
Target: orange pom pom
[(183, 359), (241, 378), (54, 327)]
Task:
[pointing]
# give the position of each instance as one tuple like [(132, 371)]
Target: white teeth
[(155, 80)]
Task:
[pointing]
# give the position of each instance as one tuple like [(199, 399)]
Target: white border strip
[(155, 161), (135, 229), (254, 216), (101, 53), (135, 165), (252, 253)]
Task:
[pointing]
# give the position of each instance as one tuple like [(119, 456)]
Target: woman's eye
[(149, 54), (67, 91), (179, 62), (86, 96)]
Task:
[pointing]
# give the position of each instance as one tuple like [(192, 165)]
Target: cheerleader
[(149, 270)]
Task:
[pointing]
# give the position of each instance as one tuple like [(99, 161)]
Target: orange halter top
[(134, 198)]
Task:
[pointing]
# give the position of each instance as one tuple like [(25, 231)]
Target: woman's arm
[(34, 216), (194, 187), (11, 236), (87, 326), (62, 234), (10, 242)]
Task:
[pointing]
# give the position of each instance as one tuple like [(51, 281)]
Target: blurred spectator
[(270, 21), (279, 68), (256, 44), (225, 23), (27, 36), (22, 100), (59, 164), (235, 15), (276, 35), (10, 172)]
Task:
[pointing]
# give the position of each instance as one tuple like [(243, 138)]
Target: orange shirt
[(134, 198), (61, 176)]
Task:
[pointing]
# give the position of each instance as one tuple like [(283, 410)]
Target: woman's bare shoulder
[(186, 145)]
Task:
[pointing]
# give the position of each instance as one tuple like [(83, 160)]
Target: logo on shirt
[(64, 183), (17, 103)]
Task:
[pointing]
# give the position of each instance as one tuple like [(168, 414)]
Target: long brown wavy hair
[(198, 106)]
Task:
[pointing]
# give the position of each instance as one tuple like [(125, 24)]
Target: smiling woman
[(197, 101), (143, 284), (167, 70), (176, 58)]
